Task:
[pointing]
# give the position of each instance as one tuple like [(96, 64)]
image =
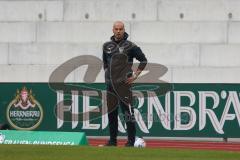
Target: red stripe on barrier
[(226, 146)]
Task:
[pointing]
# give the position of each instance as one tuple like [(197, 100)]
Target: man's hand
[(131, 79), (134, 77)]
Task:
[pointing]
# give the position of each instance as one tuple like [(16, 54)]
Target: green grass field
[(41, 152)]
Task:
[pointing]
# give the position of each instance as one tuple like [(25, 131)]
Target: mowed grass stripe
[(44, 152)]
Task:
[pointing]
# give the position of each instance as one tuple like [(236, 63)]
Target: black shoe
[(111, 144), (129, 144)]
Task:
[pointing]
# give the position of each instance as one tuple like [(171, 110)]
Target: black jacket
[(118, 58)]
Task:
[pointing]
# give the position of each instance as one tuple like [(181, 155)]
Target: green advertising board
[(172, 110), (42, 137)]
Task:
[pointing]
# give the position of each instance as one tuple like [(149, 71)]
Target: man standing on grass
[(118, 55)]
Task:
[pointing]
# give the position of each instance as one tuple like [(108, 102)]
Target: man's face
[(118, 30)]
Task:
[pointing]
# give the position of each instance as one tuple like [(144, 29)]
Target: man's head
[(118, 30)]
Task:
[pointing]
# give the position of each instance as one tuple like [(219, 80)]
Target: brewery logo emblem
[(24, 112)]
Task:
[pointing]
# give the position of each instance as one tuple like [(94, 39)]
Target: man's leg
[(124, 93), (128, 111), (112, 103), (130, 122)]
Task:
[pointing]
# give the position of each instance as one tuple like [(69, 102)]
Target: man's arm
[(105, 65), (139, 55)]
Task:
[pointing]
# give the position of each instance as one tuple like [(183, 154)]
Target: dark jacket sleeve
[(140, 56), (105, 65)]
